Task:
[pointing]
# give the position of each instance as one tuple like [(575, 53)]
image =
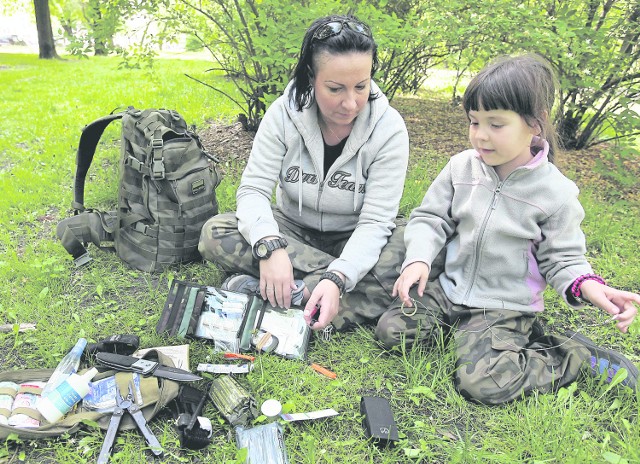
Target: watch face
[(262, 250)]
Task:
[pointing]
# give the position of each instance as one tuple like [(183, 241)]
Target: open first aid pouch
[(233, 321)]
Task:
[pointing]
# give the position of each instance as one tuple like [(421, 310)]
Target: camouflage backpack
[(166, 192)]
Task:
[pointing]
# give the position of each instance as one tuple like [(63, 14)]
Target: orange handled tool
[(239, 356), (324, 371)]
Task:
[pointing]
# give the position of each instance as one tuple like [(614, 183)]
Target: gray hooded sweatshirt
[(505, 239), (361, 191)]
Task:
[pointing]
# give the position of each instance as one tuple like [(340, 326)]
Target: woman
[(337, 153)]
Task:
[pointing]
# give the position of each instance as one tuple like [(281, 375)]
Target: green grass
[(45, 106)]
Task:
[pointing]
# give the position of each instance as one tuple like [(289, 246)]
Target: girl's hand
[(323, 305), (620, 304), (417, 272), (276, 279)]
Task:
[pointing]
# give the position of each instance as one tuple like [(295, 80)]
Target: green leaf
[(614, 458), (620, 377), (617, 404), (423, 390), (412, 453)]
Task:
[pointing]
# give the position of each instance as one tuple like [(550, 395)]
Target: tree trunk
[(100, 48), (46, 45)]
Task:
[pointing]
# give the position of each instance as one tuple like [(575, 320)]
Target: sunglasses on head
[(335, 27)]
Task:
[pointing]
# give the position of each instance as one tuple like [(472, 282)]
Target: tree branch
[(220, 91)]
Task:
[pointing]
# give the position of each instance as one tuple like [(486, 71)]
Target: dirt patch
[(228, 143)]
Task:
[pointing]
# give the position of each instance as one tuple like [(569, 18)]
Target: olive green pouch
[(156, 394), (233, 401)]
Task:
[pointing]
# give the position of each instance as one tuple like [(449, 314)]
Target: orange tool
[(239, 356), (323, 370)]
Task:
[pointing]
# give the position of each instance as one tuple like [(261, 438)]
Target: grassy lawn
[(45, 106)]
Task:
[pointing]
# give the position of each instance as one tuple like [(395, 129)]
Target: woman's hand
[(276, 279), (414, 272), (620, 304), (323, 305)]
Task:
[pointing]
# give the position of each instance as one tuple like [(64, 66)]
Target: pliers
[(127, 403)]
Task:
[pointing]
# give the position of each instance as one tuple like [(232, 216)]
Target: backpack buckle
[(82, 260), (156, 143), (157, 169)]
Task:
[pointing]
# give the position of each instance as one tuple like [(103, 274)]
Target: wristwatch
[(335, 278), (263, 247)]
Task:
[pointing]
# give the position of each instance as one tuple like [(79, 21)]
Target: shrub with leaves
[(256, 43), (595, 48), (593, 45)]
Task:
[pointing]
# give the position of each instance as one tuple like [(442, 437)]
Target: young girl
[(509, 223)]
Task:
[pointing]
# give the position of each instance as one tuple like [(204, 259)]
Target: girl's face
[(341, 83), (502, 138)]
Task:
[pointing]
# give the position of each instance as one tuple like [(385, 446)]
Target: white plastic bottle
[(67, 366), (65, 396)]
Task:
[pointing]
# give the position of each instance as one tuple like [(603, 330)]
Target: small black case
[(378, 421)]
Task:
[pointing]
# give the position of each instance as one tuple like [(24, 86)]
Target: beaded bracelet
[(333, 277), (575, 287)]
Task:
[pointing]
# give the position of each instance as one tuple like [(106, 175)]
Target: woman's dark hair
[(346, 41), (524, 84)]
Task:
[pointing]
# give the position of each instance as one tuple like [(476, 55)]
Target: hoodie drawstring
[(357, 186), (299, 182)]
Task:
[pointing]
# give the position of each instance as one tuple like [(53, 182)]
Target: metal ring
[(415, 309)]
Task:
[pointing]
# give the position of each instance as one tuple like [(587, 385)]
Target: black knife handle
[(121, 362)]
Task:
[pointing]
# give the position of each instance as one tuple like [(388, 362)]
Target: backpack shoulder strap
[(86, 149)]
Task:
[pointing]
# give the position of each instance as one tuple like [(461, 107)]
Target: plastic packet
[(264, 443)]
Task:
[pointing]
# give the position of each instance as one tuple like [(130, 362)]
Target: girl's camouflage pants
[(311, 252), (500, 357)]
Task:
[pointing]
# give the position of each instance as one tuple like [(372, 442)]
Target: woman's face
[(342, 83)]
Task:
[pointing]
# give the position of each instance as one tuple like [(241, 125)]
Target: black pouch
[(194, 431), (378, 421), (125, 344)]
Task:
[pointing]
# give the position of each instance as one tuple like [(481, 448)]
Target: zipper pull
[(496, 193)]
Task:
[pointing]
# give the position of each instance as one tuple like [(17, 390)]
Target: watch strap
[(271, 244)]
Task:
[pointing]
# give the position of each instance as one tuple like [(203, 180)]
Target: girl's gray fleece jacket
[(505, 240), (361, 192)]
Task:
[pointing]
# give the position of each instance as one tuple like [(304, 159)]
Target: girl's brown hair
[(524, 84)]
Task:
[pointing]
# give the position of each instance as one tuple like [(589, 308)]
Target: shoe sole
[(297, 295), (225, 284), (632, 370)]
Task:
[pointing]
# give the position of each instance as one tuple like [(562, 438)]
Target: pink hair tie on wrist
[(575, 287)]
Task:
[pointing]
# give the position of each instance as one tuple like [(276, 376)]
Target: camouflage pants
[(311, 252), (499, 356)]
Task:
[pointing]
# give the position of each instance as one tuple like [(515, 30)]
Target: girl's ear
[(538, 124), (536, 129)]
